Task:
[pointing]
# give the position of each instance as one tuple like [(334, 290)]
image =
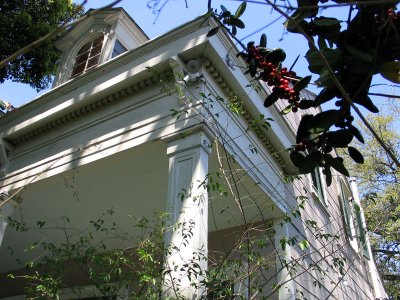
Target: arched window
[(88, 57)]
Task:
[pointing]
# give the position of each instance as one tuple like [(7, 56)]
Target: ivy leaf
[(391, 71), (302, 83), (271, 98), (337, 164), (242, 7), (340, 138), (357, 134), (324, 120), (302, 130), (310, 162), (356, 155), (263, 41), (213, 31)]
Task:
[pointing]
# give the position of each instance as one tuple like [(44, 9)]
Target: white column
[(377, 282), (287, 290), (188, 208)]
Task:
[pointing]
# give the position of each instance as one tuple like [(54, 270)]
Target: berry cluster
[(390, 16), (265, 64)]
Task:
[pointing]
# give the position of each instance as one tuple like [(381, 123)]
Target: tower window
[(88, 56), (118, 49)]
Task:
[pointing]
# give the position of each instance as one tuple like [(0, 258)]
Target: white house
[(135, 125)]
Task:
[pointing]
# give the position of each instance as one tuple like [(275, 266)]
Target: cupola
[(102, 36)]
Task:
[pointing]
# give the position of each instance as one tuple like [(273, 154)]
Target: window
[(88, 57), (118, 49), (317, 185), (362, 240), (346, 209)]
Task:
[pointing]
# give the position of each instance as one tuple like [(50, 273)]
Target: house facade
[(173, 124)]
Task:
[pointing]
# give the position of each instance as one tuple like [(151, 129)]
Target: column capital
[(200, 137)]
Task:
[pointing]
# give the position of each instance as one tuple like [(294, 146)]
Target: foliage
[(379, 182), (23, 22), (112, 271), (345, 60)]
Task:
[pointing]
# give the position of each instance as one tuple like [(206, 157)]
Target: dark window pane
[(81, 58), (78, 70), (92, 62), (95, 50), (118, 49), (85, 48), (88, 56)]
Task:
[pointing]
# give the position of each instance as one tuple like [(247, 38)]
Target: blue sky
[(175, 13)]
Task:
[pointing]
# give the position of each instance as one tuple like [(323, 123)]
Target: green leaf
[(337, 164), (356, 155), (237, 22), (234, 30), (340, 138), (271, 98), (325, 95), (328, 175), (327, 28), (223, 8), (296, 157), (276, 55), (359, 54), (325, 79), (302, 83), (366, 101), (306, 104), (357, 134), (324, 120), (263, 40), (310, 162), (302, 130), (304, 244), (213, 31), (391, 71), (326, 22), (333, 56), (286, 110), (322, 43), (253, 67), (306, 9), (242, 7)]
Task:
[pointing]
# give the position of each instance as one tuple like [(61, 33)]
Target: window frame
[(89, 52), (319, 192)]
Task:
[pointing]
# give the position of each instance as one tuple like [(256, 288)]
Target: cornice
[(212, 70), (89, 108)]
